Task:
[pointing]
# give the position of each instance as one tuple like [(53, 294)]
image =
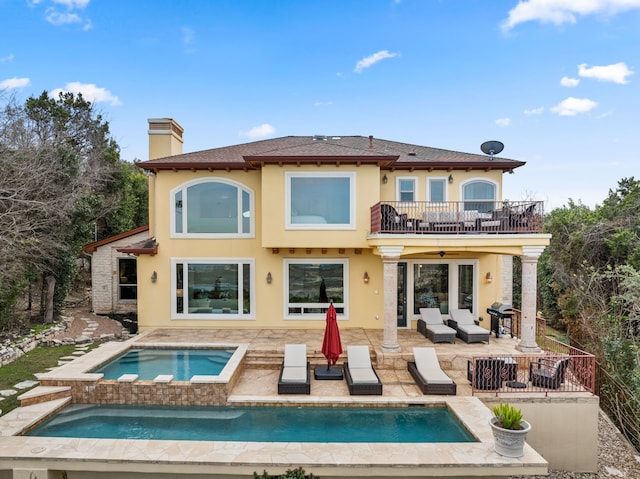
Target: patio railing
[(457, 217), (548, 373)]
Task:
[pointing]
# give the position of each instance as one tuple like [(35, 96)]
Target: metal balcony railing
[(457, 217)]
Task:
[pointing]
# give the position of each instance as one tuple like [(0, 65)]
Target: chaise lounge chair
[(548, 372), (466, 327), (432, 326), (361, 378), (294, 372), (427, 373)]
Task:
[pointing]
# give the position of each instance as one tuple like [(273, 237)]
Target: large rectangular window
[(212, 289), (127, 278), (312, 285), (431, 287), (320, 200)]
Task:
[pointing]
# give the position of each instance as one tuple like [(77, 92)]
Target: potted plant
[(509, 430)]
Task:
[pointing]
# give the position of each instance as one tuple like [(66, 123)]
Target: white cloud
[(261, 131), (73, 3), (572, 106), (89, 91), (569, 82), (8, 58), (503, 121), (563, 11), (188, 35), (12, 83), (616, 73), (534, 111), (373, 59), (56, 18)]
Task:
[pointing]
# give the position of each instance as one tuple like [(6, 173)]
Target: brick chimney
[(165, 137)]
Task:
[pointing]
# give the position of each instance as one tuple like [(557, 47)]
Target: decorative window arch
[(212, 207), (479, 194)]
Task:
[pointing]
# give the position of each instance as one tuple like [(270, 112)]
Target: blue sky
[(555, 80)]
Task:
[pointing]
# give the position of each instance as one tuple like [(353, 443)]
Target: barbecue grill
[(501, 318)]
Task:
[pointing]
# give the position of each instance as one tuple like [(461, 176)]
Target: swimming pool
[(182, 364), (258, 424)]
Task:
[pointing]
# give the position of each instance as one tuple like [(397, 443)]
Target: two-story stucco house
[(266, 234)]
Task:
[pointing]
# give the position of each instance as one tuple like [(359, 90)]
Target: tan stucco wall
[(564, 429)]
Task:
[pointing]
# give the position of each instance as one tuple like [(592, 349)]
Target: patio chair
[(467, 328), (393, 221), (294, 372), (548, 372), (426, 372), (431, 325), (485, 373), (361, 378)]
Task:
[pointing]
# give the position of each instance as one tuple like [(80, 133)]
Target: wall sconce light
[(154, 277), (365, 278), (488, 277), (269, 277), (450, 179), (385, 180)]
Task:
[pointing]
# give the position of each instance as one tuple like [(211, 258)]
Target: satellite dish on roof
[(492, 147)]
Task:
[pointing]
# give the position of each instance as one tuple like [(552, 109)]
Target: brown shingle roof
[(327, 150)]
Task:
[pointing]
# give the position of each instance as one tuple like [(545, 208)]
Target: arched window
[(479, 195), (212, 207)]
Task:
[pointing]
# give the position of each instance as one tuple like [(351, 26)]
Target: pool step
[(41, 394)]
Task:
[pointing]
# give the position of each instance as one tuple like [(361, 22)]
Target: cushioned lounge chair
[(294, 372), (485, 373), (427, 373), (548, 372), (361, 378), (432, 326), (466, 327)]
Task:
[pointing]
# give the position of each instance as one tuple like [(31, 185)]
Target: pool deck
[(257, 385)]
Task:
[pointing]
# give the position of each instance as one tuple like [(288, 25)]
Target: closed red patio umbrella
[(331, 348)]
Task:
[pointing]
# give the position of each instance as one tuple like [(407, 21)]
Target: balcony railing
[(457, 217)]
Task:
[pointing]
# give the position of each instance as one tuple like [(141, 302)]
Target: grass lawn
[(24, 368)]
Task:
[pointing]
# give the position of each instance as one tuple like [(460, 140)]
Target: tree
[(59, 170)]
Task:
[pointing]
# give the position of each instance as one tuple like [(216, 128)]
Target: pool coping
[(243, 458)]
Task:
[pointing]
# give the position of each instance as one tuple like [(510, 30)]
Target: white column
[(529, 293), (390, 256)]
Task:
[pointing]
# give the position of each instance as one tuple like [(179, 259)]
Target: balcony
[(457, 217)]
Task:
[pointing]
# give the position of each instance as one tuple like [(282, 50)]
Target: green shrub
[(508, 416), (290, 474)]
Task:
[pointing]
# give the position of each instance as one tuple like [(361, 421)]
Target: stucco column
[(529, 289), (390, 256)]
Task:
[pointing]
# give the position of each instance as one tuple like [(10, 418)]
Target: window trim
[(350, 175), (416, 189), (239, 316), (315, 316), (210, 179)]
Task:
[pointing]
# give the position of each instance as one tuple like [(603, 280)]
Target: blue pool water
[(148, 363), (258, 424)]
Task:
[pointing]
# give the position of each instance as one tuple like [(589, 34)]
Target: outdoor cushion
[(295, 355), (431, 316), (294, 374), (363, 375), (429, 367), (358, 357), (462, 316)]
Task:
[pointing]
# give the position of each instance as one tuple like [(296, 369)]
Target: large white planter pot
[(509, 442)]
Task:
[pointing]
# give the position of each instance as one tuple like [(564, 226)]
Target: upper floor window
[(212, 207), (437, 189), (479, 195), (320, 200), (406, 189)]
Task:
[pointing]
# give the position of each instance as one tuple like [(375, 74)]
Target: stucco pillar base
[(390, 348), (528, 349)]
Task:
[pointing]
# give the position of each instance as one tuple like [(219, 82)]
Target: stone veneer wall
[(174, 393)]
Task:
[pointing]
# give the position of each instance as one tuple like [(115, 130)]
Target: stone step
[(42, 394)]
